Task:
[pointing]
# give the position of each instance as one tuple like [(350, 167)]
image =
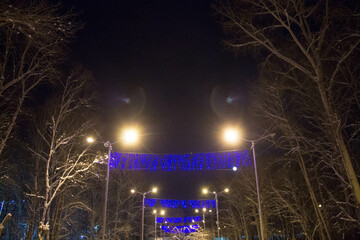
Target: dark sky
[(162, 64)]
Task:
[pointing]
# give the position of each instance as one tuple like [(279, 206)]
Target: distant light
[(90, 139), (154, 211), (234, 168), (196, 210), (154, 190), (204, 209), (320, 205), (205, 191), (226, 190), (162, 212), (132, 190), (210, 210)]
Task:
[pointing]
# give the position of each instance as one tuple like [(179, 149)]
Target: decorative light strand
[(165, 203), (180, 162), (179, 220), (180, 229)]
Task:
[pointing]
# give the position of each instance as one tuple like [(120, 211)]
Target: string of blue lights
[(179, 219), (180, 229), (170, 203), (180, 162)]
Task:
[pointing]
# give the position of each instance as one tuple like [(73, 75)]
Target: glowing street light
[(232, 136), (205, 191), (162, 212), (130, 136), (154, 190)]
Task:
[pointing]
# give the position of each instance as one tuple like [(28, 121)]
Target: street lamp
[(204, 211), (154, 190), (162, 212), (129, 139), (205, 191), (232, 136)]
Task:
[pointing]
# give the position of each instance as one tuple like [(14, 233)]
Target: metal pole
[(107, 144), (258, 192), (155, 226), (204, 219), (217, 216), (142, 218)]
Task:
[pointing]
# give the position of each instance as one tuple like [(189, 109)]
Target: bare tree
[(62, 150), (32, 43), (314, 40)]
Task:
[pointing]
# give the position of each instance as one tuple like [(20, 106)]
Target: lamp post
[(154, 190), (204, 210), (205, 191), (232, 136), (109, 146), (162, 212), (130, 136)]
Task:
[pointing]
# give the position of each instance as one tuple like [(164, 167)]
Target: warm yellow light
[(204, 209), (226, 190), (162, 212), (231, 135), (196, 210), (154, 211), (90, 140), (132, 190), (154, 190), (210, 210), (130, 136), (205, 191)]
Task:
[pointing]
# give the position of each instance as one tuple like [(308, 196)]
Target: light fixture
[(231, 135), (130, 136), (90, 139), (132, 190), (205, 191), (154, 190)]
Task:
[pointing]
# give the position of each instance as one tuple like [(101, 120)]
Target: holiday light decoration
[(180, 162), (180, 229), (179, 220), (170, 203), (150, 202)]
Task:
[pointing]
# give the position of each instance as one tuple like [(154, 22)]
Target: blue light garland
[(180, 229), (169, 203), (150, 202), (178, 220), (180, 162)]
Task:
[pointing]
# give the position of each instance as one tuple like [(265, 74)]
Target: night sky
[(161, 64)]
